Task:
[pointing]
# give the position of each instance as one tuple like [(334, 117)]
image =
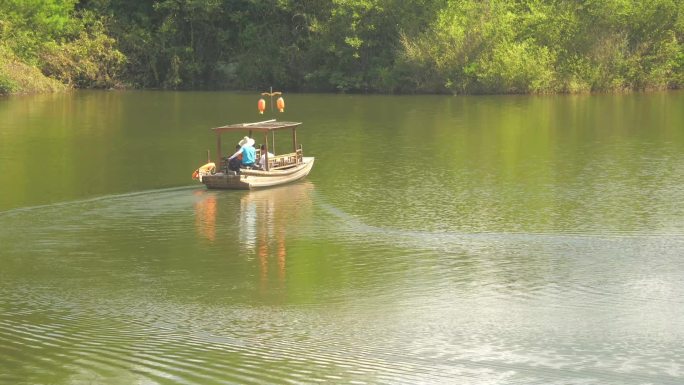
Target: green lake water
[(437, 240)]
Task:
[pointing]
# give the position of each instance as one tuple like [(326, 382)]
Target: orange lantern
[(281, 104), (261, 105)]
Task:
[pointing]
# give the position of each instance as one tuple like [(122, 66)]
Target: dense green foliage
[(16, 76), (47, 40), (550, 46), (443, 46)]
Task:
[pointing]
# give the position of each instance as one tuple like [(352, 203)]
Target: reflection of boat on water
[(263, 213), (205, 215), (295, 194), (266, 216), (278, 169), (268, 220)]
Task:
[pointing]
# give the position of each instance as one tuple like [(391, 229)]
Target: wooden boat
[(278, 169)]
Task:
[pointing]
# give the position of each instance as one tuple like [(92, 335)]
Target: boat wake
[(102, 198)]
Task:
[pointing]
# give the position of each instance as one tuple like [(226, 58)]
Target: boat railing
[(285, 160)]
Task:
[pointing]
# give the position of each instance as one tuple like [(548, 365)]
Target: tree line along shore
[(374, 46)]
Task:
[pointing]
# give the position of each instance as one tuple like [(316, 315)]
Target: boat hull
[(255, 179)]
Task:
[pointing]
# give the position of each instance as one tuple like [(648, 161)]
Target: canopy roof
[(265, 126)]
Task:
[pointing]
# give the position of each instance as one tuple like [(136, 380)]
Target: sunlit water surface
[(478, 240)]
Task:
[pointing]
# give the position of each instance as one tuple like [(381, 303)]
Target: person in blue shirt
[(248, 152)]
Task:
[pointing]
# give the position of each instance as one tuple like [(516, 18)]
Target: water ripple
[(150, 288)]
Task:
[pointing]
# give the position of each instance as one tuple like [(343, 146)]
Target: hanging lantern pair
[(280, 103)]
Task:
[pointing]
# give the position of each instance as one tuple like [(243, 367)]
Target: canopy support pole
[(218, 150)]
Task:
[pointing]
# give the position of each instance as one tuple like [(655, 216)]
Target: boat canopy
[(265, 126)]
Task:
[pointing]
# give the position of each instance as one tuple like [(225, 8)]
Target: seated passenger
[(234, 163), (262, 160)]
